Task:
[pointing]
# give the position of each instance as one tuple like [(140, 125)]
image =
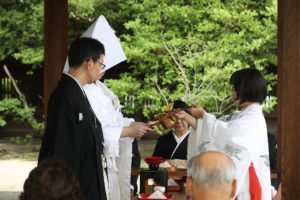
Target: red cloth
[(254, 185)]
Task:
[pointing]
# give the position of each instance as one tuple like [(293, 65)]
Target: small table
[(175, 174)]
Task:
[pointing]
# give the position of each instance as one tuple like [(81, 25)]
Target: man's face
[(102, 67), (95, 69)]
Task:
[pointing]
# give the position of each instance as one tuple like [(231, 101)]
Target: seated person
[(52, 179), (211, 175), (173, 145)]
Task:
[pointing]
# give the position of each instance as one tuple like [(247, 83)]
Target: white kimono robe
[(241, 135), (117, 150)]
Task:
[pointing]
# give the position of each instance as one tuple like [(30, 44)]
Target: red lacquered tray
[(154, 160), (144, 196), (176, 188)]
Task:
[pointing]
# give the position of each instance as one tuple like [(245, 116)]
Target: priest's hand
[(197, 111), (136, 130)]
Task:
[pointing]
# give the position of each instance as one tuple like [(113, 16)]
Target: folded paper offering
[(144, 196), (157, 195)]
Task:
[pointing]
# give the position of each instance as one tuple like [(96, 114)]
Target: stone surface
[(13, 173)]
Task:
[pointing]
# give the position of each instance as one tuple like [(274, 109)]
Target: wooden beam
[(289, 97), (56, 43)]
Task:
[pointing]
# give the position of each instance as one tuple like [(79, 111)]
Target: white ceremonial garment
[(241, 135), (117, 150)]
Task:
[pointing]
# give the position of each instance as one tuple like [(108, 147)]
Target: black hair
[(52, 179), (84, 48), (249, 84), (181, 105)]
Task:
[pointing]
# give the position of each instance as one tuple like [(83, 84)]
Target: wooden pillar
[(289, 97), (56, 44)]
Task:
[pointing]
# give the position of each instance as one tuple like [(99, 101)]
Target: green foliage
[(189, 50), (123, 85), (184, 49), (12, 107), (21, 31), (176, 49)]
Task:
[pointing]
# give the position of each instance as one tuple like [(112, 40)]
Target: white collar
[(179, 140), (66, 73)]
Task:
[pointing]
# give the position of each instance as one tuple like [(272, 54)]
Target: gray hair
[(222, 173)]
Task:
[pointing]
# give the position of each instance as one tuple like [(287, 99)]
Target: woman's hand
[(136, 130), (197, 111)]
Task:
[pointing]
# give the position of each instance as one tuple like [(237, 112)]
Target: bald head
[(212, 172)]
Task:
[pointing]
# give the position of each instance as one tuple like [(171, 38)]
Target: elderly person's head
[(211, 176)]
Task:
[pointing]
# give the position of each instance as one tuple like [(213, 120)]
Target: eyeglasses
[(102, 66)]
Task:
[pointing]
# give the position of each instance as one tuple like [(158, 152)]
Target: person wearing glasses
[(73, 132), (119, 133), (173, 145)]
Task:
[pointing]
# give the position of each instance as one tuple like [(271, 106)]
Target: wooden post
[(289, 97), (56, 44)]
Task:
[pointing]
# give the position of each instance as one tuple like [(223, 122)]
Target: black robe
[(166, 144), (74, 135)]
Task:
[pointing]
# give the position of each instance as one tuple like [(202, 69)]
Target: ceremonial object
[(144, 196), (154, 161), (158, 176), (164, 120), (153, 174), (102, 31)]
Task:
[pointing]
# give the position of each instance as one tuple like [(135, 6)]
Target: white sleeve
[(194, 140), (243, 138)]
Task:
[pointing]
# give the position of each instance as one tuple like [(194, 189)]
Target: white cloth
[(241, 135), (181, 138), (107, 108)]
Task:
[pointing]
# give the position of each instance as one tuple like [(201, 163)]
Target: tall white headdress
[(102, 31)]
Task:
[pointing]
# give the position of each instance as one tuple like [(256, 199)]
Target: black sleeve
[(158, 150), (63, 134), (68, 139), (136, 158), (136, 162)]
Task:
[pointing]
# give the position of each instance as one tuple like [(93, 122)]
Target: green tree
[(188, 49), (175, 48), (21, 31), (22, 41)]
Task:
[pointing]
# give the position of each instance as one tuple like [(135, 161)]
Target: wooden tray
[(176, 188)]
